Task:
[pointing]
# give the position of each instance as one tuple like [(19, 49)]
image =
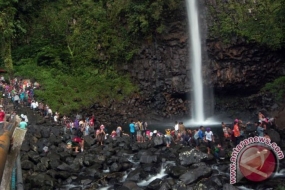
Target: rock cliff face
[(235, 72), (163, 72)]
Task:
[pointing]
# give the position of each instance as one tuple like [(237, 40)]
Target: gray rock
[(147, 159), (39, 180), (157, 141), (228, 186), (27, 165), (190, 157), (195, 174), (115, 167), (274, 136)]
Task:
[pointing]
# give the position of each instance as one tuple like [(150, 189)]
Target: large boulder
[(194, 174), (41, 180), (274, 136), (176, 171), (27, 165), (147, 159), (115, 167), (157, 141), (135, 175), (190, 157)]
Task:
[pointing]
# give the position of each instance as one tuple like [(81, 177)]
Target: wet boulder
[(147, 159), (27, 165), (135, 175), (45, 132), (176, 171), (228, 186), (190, 157), (89, 141), (194, 174), (131, 185), (274, 136), (63, 167), (157, 141), (155, 184), (213, 182), (115, 167), (41, 180)]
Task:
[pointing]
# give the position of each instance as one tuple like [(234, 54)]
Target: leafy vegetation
[(76, 48), (277, 88), (260, 21), (257, 21)]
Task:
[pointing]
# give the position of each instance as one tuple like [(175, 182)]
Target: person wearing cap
[(209, 138), (2, 117)]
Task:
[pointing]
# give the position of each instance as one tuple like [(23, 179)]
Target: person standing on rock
[(176, 128), (181, 128), (209, 138), (139, 131), (119, 131), (236, 133), (16, 100), (225, 131), (144, 128), (132, 130), (2, 117), (198, 136), (168, 137), (101, 135)]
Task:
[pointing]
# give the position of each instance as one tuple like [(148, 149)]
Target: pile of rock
[(118, 164)]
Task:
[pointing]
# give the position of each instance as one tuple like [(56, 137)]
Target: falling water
[(196, 62)]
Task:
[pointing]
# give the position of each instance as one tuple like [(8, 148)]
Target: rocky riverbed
[(121, 164)]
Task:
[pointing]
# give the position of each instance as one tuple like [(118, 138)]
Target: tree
[(7, 30), (260, 21)]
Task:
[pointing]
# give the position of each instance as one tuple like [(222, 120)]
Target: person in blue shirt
[(23, 124), (201, 132), (198, 136), (132, 130)]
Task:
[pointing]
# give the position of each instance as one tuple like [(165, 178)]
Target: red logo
[(257, 162)]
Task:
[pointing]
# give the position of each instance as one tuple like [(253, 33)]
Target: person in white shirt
[(56, 117), (49, 112), (176, 128), (209, 138), (25, 117)]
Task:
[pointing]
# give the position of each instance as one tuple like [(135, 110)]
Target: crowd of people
[(21, 93)]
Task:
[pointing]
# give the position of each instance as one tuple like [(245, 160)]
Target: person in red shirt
[(2, 117)]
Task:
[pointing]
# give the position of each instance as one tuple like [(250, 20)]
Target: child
[(168, 137), (113, 134), (219, 152)]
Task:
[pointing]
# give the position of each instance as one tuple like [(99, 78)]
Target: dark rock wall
[(235, 71), (163, 72)]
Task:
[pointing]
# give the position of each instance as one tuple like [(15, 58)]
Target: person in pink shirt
[(2, 117)]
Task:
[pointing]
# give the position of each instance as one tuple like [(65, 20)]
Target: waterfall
[(196, 62)]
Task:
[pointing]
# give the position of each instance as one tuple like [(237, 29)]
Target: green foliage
[(260, 21), (280, 187), (66, 93), (277, 88), (76, 48)]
